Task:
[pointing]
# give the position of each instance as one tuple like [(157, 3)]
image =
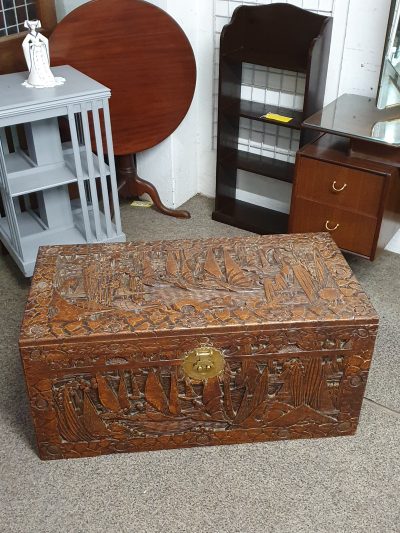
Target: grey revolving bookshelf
[(35, 175), (277, 36)]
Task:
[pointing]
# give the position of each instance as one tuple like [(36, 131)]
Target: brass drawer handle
[(335, 189), (331, 229)]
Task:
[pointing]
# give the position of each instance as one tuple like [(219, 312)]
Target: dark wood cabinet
[(356, 200), (344, 187), (279, 36)]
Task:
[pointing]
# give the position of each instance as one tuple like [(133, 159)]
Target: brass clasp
[(203, 363)]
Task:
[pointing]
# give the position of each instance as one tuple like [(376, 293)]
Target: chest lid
[(171, 287)]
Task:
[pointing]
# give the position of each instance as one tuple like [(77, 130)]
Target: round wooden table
[(144, 57)]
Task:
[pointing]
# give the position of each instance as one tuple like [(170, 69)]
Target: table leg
[(132, 186)]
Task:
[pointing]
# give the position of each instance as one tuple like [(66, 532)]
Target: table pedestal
[(132, 186)]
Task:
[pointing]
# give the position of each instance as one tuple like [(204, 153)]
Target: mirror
[(389, 83)]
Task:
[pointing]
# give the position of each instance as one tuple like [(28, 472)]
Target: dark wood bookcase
[(279, 36)]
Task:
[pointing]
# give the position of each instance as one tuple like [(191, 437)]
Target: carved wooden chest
[(145, 346)]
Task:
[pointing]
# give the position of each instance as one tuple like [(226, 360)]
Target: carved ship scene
[(130, 282), (219, 284), (305, 394)]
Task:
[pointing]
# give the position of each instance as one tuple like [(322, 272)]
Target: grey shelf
[(34, 234), (24, 177), (42, 168)]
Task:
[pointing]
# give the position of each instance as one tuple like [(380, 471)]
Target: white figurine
[(37, 57)]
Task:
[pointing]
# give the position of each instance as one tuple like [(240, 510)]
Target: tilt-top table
[(142, 54)]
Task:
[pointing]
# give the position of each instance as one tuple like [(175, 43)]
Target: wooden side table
[(355, 199), (34, 179)]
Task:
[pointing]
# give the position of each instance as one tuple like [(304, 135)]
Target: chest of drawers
[(356, 200)]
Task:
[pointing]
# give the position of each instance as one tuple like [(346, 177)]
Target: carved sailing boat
[(70, 425), (269, 290), (92, 421), (235, 276), (172, 265), (107, 396), (213, 273), (273, 288), (173, 271), (305, 281), (155, 395), (308, 386), (123, 393), (148, 276), (212, 399), (136, 395), (90, 283), (209, 276), (99, 284), (186, 271), (328, 287), (321, 271)]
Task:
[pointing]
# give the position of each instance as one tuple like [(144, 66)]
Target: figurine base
[(57, 81)]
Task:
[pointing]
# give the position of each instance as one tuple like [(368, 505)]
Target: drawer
[(339, 186), (351, 231)]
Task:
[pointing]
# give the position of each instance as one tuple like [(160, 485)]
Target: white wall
[(175, 165), (363, 46), (65, 6)]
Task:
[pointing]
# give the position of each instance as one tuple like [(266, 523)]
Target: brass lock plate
[(203, 363)]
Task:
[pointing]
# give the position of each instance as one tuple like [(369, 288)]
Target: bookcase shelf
[(252, 217), (256, 111), (266, 166), (24, 177), (259, 164), (255, 36)]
